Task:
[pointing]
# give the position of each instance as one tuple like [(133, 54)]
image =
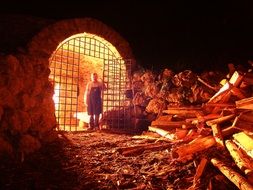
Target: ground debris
[(90, 160)]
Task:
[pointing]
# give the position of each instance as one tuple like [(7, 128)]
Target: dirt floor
[(92, 160)]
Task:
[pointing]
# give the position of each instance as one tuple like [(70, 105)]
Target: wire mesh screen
[(116, 105), (69, 62), (65, 75)]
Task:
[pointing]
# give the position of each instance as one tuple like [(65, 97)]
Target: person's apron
[(95, 102)]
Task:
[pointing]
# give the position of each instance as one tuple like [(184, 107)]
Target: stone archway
[(47, 42)]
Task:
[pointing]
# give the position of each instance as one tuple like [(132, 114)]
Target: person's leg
[(91, 124), (96, 123)]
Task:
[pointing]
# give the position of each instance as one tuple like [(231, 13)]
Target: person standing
[(93, 100)]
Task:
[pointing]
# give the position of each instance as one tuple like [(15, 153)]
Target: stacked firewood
[(156, 92), (224, 122)]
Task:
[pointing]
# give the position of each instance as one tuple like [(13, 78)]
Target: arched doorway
[(71, 64), (47, 43)]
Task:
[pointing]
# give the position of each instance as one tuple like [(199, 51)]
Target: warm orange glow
[(83, 116), (56, 96), (234, 78), (90, 48), (71, 65)]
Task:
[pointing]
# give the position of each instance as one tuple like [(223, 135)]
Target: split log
[(218, 135), (185, 111), (241, 160), (236, 79), (169, 124), (245, 142), (220, 120), (199, 171), (164, 118), (204, 118), (150, 136), (197, 145), (192, 134), (181, 133), (246, 103), (233, 176), (223, 99), (238, 93), (163, 133), (221, 93)]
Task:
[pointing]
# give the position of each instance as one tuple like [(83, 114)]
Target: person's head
[(94, 77)]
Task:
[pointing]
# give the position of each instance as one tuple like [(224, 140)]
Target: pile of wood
[(154, 92), (225, 122)]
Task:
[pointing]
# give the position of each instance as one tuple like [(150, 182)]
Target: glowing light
[(56, 96), (70, 65)]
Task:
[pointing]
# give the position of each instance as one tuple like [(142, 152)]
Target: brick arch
[(46, 41)]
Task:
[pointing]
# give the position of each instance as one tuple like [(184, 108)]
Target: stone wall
[(26, 108)]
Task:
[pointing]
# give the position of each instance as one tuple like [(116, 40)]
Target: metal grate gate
[(65, 68), (116, 106)]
